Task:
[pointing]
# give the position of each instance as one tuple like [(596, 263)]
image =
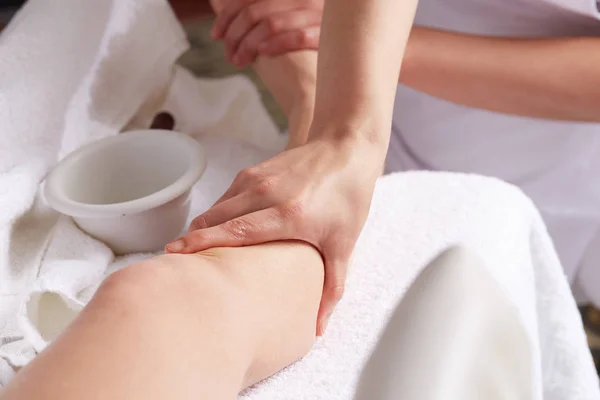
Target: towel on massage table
[(74, 73)]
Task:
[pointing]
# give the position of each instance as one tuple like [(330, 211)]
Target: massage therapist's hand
[(267, 27), (318, 193)]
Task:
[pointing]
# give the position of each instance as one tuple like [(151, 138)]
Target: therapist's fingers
[(237, 186), (259, 227), (253, 14), (303, 23), (245, 18), (226, 16), (238, 202), (228, 209), (241, 25), (305, 39), (333, 289), (231, 192)]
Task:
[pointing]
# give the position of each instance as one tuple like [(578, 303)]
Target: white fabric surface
[(103, 62), (71, 72), (470, 361), (414, 216), (556, 163), (60, 86)]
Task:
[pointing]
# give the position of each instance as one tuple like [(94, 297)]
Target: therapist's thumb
[(254, 228), (333, 291)]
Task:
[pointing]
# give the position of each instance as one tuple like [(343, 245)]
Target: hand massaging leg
[(454, 336)]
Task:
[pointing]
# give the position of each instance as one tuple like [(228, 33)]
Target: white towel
[(413, 217), (70, 74)]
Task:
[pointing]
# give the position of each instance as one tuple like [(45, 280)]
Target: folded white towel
[(413, 217), (70, 74)]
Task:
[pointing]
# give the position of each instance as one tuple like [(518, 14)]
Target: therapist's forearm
[(360, 53), (555, 78), (291, 79)]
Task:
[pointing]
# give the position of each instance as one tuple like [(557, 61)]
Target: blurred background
[(205, 57)]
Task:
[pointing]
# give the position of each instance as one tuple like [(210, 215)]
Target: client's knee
[(164, 276), (188, 287), (258, 298)]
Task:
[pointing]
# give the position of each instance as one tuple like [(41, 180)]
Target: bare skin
[(362, 45), (208, 324), (548, 78), (205, 325)]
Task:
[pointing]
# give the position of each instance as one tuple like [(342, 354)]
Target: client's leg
[(184, 327)]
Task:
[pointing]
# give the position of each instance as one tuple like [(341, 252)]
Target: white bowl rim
[(57, 199)]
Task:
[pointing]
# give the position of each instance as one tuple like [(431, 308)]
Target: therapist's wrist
[(363, 113), (368, 129), (369, 144)]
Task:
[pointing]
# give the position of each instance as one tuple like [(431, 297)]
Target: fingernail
[(176, 246)]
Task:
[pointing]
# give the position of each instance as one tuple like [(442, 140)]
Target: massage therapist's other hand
[(268, 27), (319, 193)]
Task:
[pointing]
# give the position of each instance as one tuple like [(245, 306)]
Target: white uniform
[(556, 163)]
